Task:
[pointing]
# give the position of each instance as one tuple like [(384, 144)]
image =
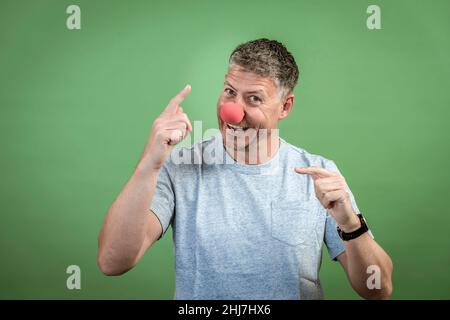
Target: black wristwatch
[(355, 234)]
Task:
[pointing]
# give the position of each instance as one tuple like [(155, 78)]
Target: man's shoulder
[(197, 147), (305, 157), (184, 157)]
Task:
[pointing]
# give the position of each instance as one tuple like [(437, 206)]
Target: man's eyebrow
[(247, 92), (256, 91), (229, 84)]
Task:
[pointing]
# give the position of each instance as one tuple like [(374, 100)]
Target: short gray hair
[(267, 58)]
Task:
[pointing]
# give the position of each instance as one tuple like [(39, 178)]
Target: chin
[(238, 144)]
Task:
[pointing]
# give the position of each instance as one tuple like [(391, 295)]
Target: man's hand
[(171, 127), (332, 192), (361, 253)]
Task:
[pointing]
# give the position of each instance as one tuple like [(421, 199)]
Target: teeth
[(235, 127)]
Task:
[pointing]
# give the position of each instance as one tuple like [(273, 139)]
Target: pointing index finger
[(315, 172), (175, 101)]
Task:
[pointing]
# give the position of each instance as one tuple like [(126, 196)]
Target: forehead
[(243, 80)]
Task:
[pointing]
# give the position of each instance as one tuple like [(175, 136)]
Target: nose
[(231, 112)]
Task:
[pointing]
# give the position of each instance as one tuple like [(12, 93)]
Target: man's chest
[(242, 213)]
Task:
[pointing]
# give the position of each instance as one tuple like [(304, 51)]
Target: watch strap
[(355, 234)]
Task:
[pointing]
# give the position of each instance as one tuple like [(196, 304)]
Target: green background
[(76, 108)]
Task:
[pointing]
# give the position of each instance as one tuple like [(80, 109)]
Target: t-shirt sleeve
[(334, 243), (163, 202), (332, 240)]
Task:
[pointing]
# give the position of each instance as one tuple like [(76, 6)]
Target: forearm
[(125, 225), (361, 253)]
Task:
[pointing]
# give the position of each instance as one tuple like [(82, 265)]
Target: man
[(248, 227)]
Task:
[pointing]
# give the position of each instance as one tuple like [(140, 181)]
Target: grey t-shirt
[(245, 231)]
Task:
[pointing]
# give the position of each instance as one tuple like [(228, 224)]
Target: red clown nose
[(231, 112)]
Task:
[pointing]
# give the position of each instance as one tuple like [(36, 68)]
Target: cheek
[(265, 116), (255, 115), (219, 103)]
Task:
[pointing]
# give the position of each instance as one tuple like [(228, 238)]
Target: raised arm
[(129, 229)]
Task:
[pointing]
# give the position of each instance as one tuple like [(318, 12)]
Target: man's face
[(262, 102)]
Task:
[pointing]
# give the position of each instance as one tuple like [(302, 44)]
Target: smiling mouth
[(235, 128)]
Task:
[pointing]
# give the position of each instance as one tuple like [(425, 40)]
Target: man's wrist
[(352, 225), (351, 232), (143, 169)]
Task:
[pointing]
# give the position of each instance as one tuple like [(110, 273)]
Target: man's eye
[(255, 99), (229, 92)]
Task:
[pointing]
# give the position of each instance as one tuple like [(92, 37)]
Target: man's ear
[(287, 106)]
